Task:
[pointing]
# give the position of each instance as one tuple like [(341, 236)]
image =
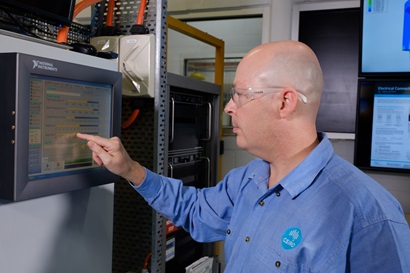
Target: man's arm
[(381, 247), (205, 213)]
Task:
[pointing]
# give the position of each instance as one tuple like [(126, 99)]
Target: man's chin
[(240, 143)]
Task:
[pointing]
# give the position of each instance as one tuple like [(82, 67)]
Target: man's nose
[(229, 107)]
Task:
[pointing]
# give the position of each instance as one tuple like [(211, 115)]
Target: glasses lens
[(237, 97), (248, 94), (232, 93)]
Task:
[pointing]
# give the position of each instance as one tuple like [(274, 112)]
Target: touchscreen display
[(59, 108)]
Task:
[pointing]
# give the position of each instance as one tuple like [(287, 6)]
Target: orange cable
[(131, 119), (110, 13), (140, 18), (146, 261), (63, 31)]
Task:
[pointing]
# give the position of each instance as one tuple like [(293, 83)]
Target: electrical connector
[(138, 29)]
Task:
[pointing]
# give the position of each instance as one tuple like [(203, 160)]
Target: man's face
[(254, 119)]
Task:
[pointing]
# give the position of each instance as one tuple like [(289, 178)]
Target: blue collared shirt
[(324, 216)]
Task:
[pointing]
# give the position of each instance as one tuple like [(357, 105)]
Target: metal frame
[(219, 45), (161, 102), (138, 229), (195, 33)]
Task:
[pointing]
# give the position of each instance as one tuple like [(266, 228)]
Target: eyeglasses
[(241, 96)]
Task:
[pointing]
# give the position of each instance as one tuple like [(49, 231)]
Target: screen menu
[(386, 36), (59, 108), (390, 146)]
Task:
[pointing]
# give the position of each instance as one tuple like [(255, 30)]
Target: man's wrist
[(137, 174)]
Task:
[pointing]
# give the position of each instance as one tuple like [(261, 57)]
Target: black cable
[(23, 28)]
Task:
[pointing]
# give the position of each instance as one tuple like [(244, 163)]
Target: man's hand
[(112, 154)]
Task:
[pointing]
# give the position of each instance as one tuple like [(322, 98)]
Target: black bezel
[(15, 75), (364, 119)]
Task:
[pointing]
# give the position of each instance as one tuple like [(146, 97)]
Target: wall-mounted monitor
[(333, 34), (56, 12), (382, 140), (385, 39), (44, 103)]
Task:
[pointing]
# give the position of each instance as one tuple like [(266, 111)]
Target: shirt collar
[(301, 177)]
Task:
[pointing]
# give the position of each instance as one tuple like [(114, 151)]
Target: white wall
[(63, 233), (239, 35)]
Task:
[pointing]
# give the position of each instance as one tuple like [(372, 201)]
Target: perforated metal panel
[(138, 229), (33, 26)]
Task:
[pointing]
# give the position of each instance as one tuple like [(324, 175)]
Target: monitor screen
[(59, 108), (385, 43), (383, 125), (45, 102), (58, 12), (333, 34)]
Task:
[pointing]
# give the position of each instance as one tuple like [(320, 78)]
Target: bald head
[(277, 126), (284, 63)]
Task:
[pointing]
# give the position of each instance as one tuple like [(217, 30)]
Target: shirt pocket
[(271, 261)]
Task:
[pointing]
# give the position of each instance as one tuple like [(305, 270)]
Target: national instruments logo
[(44, 66)]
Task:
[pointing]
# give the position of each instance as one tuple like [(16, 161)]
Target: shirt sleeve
[(381, 247), (204, 213)]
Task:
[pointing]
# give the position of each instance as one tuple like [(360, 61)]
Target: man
[(300, 207)]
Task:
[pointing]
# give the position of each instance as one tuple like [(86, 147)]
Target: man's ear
[(289, 99)]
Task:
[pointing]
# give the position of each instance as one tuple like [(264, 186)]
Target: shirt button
[(262, 203), (277, 264), (247, 239), (228, 231), (277, 194)]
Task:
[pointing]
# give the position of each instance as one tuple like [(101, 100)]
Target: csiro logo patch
[(291, 238)]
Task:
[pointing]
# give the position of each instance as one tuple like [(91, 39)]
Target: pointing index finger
[(97, 139)]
